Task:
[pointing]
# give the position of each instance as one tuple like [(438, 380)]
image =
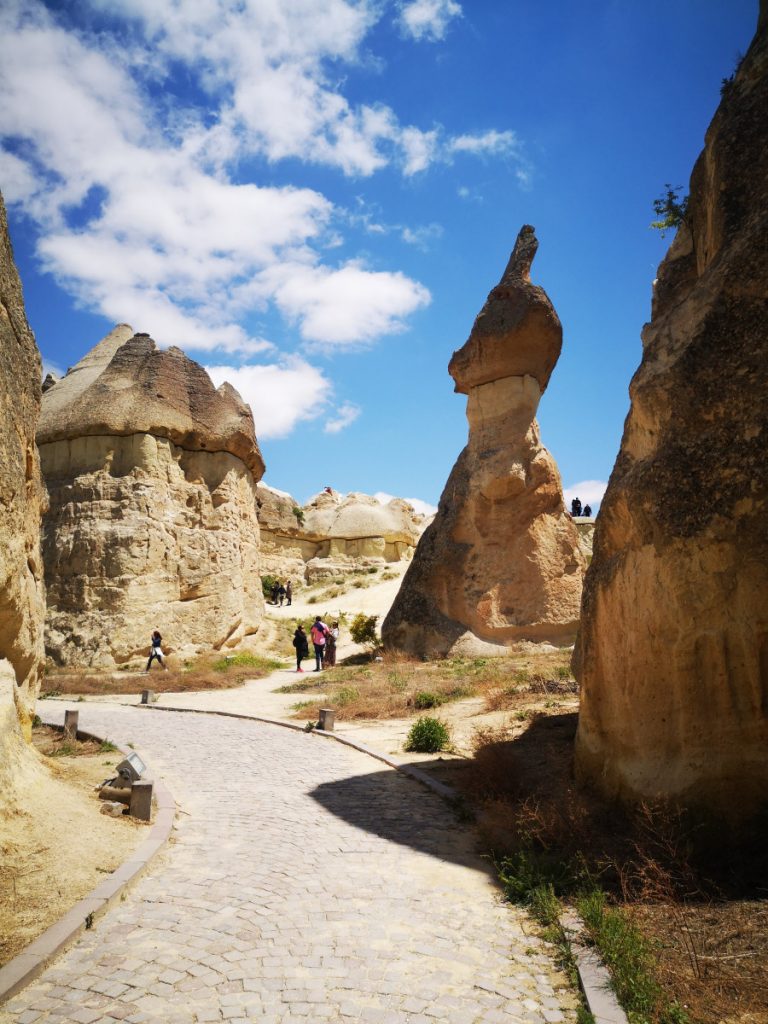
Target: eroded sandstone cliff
[(673, 648), (501, 561), (152, 477), (22, 602), (333, 533)]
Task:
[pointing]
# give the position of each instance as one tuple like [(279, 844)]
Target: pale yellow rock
[(147, 529), (673, 650), (501, 563), (22, 601)]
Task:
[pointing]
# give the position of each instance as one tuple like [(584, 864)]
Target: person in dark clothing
[(156, 651), (301, 644), (587, 510), (575, 507), (319, 632), (281, 594), (275, 591), (288, 594)]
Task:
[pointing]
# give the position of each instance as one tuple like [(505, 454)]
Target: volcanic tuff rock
[(152, 523), (501, 561), (333, 533), (673, 650), (22, 600)]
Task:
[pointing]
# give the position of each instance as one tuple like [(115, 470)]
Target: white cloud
[(589, 492), (428, 19), (280, 394), (347, 305), (422, 507), (419, 149), (489, 143), (345, 414), (422, 237)]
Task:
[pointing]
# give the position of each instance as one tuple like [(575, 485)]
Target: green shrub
[(363, 630), (245, 660), (299, 513), (267, 582), (346, 695), (427, 736), (424, 700)]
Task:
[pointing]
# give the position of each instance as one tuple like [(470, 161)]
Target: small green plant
[(267, 583), (563, 672), (309, 726), (107, 747), (346, 695), (66, 749), (299, 513), (670, 209), (245, 660), (36, 721), (363, 630), (427, 736), (424, 700)]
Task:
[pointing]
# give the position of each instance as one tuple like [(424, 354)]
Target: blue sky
[(314, 197)]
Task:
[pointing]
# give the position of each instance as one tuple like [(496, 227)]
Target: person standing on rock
[(301, 644), (288, 594), (156, 651), (319, 633), (330, 645)]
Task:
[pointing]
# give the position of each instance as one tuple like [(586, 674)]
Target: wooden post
[(147, 696), (141, 801), (70, 724), (327, 718)]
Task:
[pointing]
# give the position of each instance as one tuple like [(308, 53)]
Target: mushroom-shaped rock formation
[(334, 533), (22, 601), (152, 477), (673, 649), (501, 561)]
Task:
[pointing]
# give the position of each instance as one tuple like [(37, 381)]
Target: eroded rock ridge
[(673, 648)]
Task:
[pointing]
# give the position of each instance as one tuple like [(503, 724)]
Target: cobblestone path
[(305, 882)]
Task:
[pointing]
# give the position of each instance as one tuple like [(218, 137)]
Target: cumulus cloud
[(589, 492), (422, 507), (428, 19), (280, 394), (346, 414)]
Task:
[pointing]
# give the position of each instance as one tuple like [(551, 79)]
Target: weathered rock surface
[(152, 523), (22, 601), (501, 561), (673, 649), (333, 533)]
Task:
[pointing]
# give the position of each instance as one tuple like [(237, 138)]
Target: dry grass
[(397, 686), (217, 672), (695, 889)]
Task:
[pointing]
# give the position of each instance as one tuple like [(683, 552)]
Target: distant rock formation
[(152, 523), (333, 533), (673, 649), (22, 601), (501, 562)]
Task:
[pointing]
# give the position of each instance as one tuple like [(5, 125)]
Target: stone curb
[(33, 960), (594, 976)]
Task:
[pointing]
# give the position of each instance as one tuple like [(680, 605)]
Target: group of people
[(577, 510), (323, 640), (282, 592)]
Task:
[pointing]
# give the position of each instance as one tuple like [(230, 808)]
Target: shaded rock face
[(333, 533), (501, 561), (673, 649), (22, 601), (152, 476)]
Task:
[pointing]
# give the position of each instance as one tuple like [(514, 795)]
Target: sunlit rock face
[(333, 533), (501, 561), (673, 649), (152, 477), (22, 601)]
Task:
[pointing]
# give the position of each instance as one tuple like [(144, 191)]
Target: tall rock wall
[(333, 533), (22, 601), (673, 649), (152, 477), (501, 561)]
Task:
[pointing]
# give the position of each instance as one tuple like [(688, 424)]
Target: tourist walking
[(288, 594), (301, 644), (319, 632), (330, 645), (156, 651)]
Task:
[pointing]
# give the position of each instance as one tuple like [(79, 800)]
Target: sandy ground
[(57, 847)]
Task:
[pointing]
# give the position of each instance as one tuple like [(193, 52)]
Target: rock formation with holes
[(501, 561), (152, 477), (673, 650), (333, 534), (22, 600)]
